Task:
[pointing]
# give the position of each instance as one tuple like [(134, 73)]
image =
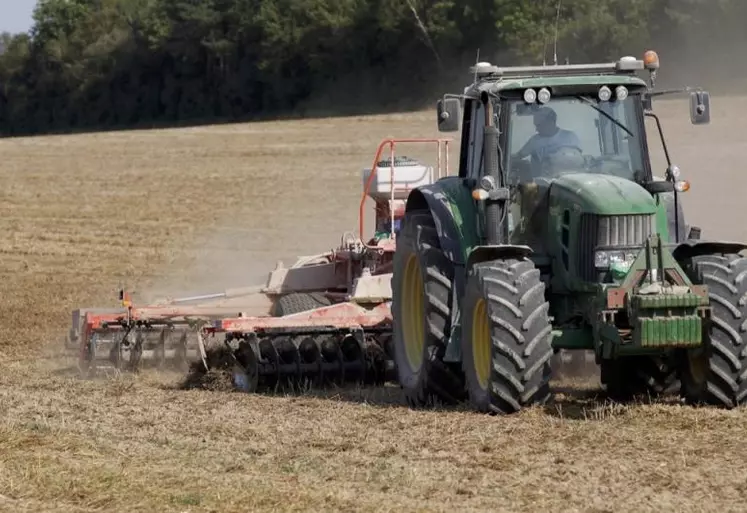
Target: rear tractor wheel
[(716, 373), (507, 344), (421, 299), (296, 302)]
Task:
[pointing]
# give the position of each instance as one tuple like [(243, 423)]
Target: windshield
[(570, 134)]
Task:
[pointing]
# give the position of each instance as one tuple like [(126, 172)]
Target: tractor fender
[(452, 244), (432, 198), (692, 248), (486, 253)]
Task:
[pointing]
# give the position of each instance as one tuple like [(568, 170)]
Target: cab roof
[(493, 79)]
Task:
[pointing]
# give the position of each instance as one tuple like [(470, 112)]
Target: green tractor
[(563, 239)]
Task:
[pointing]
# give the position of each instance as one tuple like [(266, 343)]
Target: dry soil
[(192, 210)]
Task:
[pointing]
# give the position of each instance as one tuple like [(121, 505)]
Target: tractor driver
[(551, 149), (548, 140)]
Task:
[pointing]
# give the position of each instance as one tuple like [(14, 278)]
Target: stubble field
[(201, 209)]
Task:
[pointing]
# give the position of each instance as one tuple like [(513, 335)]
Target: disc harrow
[(330, 319), (339, 344)]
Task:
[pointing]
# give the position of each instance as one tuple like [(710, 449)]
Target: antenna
[(557, 22), (544, 40), (544, 48), (477, 61)]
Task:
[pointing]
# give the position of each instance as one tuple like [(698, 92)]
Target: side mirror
[(449, 110), (700, 108)]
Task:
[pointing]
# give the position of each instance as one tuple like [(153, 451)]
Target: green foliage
[(104, 63)]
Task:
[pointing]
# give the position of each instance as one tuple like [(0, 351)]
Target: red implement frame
[(338, 316), (341, 315)]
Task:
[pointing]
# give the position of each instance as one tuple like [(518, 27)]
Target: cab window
[(569, 134)]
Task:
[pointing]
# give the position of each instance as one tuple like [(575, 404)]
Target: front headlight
[(619, 259)]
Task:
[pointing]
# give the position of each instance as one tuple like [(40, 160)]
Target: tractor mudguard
[(454, 246), (433, 198), (691, 248), (486, 253)]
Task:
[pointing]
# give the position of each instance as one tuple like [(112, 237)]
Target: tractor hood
[(604, 194)]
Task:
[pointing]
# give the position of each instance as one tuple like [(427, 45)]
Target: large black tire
[(629, 377), (421, 311), (507, 343), (296, 302), (716, 374)]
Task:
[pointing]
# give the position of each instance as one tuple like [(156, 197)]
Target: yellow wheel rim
[(413, 313), (481, 357)]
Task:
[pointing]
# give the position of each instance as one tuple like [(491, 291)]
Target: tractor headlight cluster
[(543, 95), (620, 259), (605, 93)]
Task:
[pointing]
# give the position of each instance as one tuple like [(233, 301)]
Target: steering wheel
[(569, 148), (564, 159), (565, 155)]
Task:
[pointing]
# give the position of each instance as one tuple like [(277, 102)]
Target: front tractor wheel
[(421, 295), (507, 343), (716, 373)]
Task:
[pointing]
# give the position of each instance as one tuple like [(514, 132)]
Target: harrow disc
[(296, 361), (267, 362)]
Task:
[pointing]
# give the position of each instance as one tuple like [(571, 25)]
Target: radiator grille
[(595, 230), (630, 230)]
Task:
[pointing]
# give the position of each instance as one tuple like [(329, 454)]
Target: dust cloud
[(223, 258)]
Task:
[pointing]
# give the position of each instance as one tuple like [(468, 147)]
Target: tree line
[(93, 64)]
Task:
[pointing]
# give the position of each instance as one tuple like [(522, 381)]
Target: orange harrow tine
[(128, 333)]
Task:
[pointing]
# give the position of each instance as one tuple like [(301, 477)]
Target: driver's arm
[(526, 150)]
